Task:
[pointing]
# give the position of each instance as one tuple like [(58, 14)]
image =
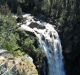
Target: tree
[(4, 9), (8, 35), (19, 14)]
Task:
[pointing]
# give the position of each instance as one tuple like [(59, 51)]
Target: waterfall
[(50, 43)]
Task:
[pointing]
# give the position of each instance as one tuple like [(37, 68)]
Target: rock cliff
[(17, 65)]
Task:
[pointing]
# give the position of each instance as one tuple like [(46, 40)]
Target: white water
[(50, 43)]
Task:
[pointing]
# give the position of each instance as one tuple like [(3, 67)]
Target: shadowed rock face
[(17, 65), (71, 47), (35, 25)]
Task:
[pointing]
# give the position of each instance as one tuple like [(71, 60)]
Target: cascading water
[(50, 43)]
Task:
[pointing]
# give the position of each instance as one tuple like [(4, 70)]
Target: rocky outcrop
[(17, 66)]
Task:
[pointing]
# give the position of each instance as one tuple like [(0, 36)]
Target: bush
[(8, 36)]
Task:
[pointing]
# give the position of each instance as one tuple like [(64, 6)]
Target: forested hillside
[(64, 14)]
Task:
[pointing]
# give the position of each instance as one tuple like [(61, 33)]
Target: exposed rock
[(33, 25), (17, 66)]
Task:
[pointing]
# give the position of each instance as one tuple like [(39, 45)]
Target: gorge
[(38, 35)]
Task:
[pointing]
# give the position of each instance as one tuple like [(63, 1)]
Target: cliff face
[(71, 48), (17, 66)]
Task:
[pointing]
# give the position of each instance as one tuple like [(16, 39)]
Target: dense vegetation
[(65, 14)]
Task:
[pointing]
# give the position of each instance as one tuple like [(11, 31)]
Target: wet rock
[(36, 25)]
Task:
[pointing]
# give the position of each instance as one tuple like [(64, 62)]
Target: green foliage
[(19, 15), (18, 53), (21, 1), (6, 26), (7, 33), (4, 9), (19, 12), (46, 6)]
